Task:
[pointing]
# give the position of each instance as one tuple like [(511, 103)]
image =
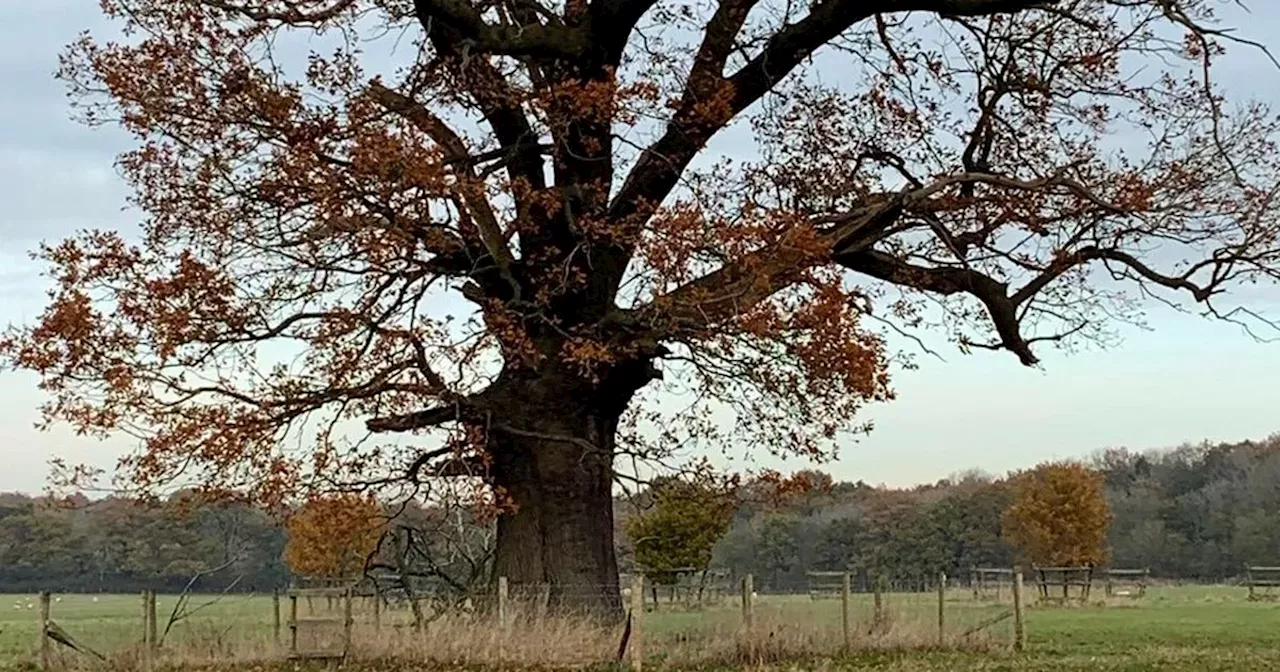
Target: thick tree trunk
[(553, 464)]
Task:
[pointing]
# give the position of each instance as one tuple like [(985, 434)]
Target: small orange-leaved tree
[(333, 535), (1059, 515)]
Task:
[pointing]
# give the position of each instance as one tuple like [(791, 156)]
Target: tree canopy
[(333, 536), (122, 545), (684, 522), (1059, 515), (502, 221)]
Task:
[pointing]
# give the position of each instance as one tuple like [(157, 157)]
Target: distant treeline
[(118, 545), (1196, 512)]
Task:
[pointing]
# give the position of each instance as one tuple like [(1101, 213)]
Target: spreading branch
[(531, 39)]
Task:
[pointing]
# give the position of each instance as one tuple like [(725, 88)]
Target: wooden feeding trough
[(825, 585), (316, 627), (991, 583), (1127, 582), (1262, 582), (1064, 584)]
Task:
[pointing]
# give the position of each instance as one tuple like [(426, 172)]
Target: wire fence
[(527, 623)]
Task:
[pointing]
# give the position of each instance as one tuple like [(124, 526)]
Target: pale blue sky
[(1187, 380)]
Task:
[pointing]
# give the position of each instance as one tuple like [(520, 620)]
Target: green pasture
[(108, 623), (1172, 628)]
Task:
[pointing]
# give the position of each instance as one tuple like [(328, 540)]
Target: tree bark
[(553, 466)]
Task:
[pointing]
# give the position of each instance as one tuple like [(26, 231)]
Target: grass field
[(1175, 628)]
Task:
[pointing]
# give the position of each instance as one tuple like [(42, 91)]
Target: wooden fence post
[(154, 641), (293, 625), (748, 601), (877, 618), (636, 644), (502, 601), (1019, 627), (844, 612), (275, 615), (942, 608), (146, 609), (46, 648), (347, 622)]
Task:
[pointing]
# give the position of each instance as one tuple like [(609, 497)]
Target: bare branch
[(992, 293), (417, 420)]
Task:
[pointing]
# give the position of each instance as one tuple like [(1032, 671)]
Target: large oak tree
[(501, 220)]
